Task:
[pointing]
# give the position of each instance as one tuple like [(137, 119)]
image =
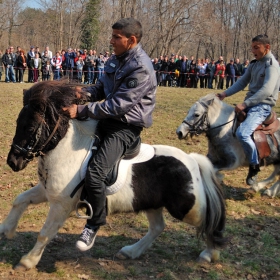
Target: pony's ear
[(210, 100)]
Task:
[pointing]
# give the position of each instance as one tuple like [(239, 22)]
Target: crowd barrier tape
[(97, 71)]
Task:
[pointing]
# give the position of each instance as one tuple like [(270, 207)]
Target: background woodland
[(202, 28)]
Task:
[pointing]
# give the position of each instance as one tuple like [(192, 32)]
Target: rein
[(28, 152)]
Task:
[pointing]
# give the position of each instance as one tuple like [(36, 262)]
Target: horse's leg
[(274, 190), (261, 185), (32, 196), (57, 215), (156, 226), (210, 254)]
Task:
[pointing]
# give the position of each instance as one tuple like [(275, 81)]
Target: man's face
[(120, 42), (259, 50)]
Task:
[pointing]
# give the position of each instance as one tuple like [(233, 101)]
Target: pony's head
[(41, 123), (196, 121)]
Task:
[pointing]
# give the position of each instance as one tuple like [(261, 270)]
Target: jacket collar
[(129, 53), (266, 57)]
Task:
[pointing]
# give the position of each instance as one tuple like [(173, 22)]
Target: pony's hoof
[(20, 267), (121, 256), (267, 193), (201, 260)]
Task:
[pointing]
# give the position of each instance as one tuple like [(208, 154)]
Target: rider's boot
[(252, 177)]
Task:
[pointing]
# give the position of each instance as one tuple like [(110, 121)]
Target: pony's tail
[(215, 213)]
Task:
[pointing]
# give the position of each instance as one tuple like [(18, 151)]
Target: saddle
[(269, 126), (132, 152), (111, 178)]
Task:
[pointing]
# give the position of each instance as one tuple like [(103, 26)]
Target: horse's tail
[(213, 223)]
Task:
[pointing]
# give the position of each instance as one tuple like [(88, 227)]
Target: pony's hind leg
[(32, 196), (156, 226), (273, 191), (58, 213), (210, 254), (261, 185)]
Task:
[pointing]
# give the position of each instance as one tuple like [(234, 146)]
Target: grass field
[(252, 220)]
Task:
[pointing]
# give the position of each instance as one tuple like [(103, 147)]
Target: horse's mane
[(59, 93), (209, 97), (46, 100)]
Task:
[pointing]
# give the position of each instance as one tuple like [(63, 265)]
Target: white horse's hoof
[(202, 260), (20, 267), (121, 256), (267, 193)]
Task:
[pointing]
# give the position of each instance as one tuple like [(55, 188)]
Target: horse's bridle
[(203, 124), (28, 152)]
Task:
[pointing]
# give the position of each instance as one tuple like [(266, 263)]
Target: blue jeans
[(10, 73), (90, 74), (100, 72), (255, 116), (56, 75)]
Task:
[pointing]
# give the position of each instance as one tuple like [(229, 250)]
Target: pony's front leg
[(261, 185), (156, 226), (32, 196), (58, 213)]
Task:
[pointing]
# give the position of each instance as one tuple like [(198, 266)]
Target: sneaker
[(86, 239), (252, 177)]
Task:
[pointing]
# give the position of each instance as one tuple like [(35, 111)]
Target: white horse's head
[(200, 116)]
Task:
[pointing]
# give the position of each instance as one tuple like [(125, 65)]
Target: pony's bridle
[(203, 124), (28, 152)]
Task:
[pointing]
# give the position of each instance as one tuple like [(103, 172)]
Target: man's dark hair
[(262, 39), (129, 27)]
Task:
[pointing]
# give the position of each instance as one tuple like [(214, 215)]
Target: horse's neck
[(64, 162), (220, 113)]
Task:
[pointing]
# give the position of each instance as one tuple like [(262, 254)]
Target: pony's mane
[(60, 93), (208, 97)]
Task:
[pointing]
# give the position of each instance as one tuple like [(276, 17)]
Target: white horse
[(184, 184), (215, 118)]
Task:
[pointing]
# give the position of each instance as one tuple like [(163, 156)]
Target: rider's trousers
[(116, 138), (255, 116)]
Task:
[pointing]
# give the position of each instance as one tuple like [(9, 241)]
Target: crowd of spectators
[(87, 67), (84, 66), (181, 71)]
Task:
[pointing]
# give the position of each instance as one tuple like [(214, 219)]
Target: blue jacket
[(69, 60), (129, 88)]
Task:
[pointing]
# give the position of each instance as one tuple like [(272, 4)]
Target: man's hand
[(71, 111), (240, 107), (221, 96)]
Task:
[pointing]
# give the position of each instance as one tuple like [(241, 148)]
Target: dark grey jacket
[(128, 88)]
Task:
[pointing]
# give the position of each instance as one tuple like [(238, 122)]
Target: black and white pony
[(215, 118), (184, 184)]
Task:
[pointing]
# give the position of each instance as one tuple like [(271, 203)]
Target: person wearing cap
[(30, 56), (127, 93), (263, 77), (231, 71)]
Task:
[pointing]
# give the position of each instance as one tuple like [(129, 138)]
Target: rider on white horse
[(128, 88), (263, 77)]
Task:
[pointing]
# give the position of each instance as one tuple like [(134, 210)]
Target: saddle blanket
[(146, 152)]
